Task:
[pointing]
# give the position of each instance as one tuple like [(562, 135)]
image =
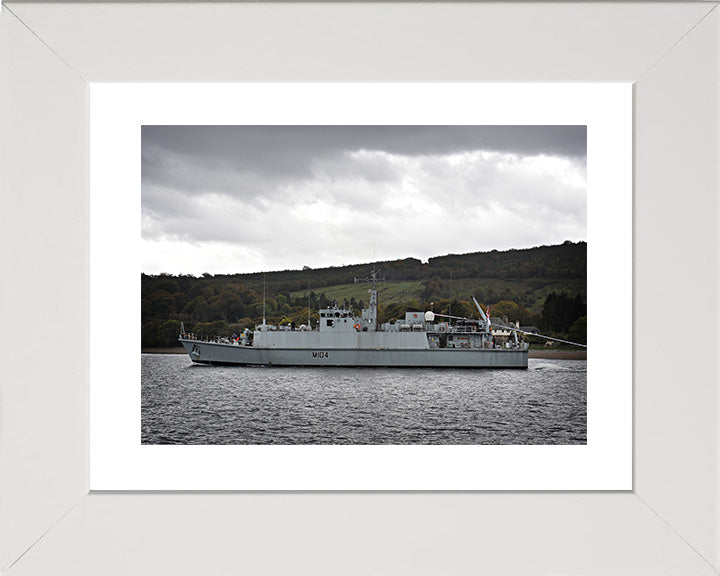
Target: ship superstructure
[(341, 338)]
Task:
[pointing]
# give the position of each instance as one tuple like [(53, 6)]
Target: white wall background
[(667, 526)]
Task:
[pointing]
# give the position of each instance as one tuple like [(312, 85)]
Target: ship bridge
[(338, 320)]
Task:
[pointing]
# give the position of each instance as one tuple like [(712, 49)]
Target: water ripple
[(183, 403)]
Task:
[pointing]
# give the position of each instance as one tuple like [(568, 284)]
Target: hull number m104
[(321, 355)]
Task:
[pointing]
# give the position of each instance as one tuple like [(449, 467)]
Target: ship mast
[(263, 298), (373, 297), (371, 313)]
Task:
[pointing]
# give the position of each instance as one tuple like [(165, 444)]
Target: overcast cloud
[(226, 199)]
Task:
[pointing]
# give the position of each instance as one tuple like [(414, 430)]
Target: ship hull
[(219, 353)]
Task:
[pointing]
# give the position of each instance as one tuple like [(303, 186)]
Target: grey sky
[(224, 199)]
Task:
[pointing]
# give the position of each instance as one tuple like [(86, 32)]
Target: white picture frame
[(118, 461), (49, 522)]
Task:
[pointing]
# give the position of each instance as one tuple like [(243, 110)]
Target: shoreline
[(558, 354), (173, 350), (542, 354)]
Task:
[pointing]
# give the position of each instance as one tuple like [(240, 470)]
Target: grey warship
[(419, 340)]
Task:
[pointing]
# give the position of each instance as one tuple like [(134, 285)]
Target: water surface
[(186, 403)]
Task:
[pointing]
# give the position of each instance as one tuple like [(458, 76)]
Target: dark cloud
[(317, 194), (293, 150)]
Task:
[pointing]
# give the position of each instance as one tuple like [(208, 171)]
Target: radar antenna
[(373, 279)]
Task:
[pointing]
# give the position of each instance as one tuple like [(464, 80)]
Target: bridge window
[(329, 322)]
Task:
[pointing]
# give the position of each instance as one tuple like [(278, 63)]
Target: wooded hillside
[(535, 286)]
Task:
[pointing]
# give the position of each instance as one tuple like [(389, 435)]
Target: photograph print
[(364, 285)]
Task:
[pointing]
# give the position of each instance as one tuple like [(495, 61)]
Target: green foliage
[(390, 312), (160, 333), (160, 304), (211, 329), (561, 311), (578, 331), (515, 313), (391, 292), (506, 308)]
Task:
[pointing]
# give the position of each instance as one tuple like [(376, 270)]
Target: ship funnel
[(429, 316)]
